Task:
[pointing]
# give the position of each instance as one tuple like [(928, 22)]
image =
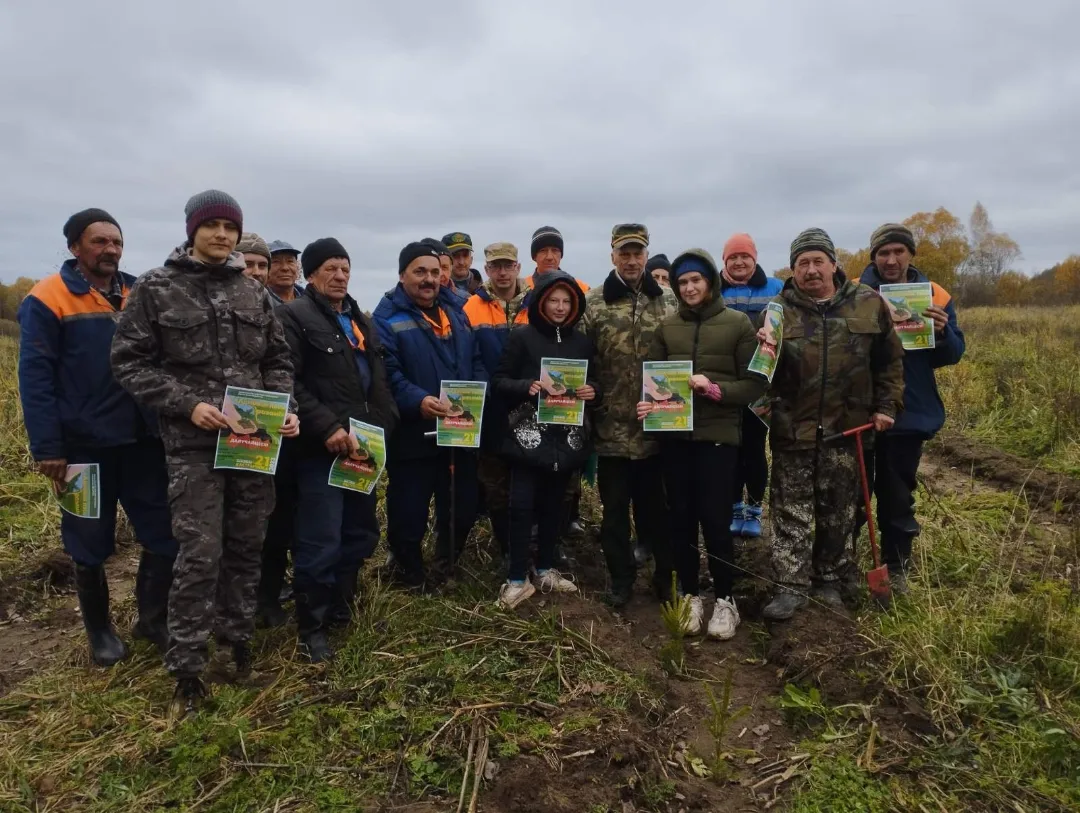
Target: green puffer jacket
[(720, 341), (840, 362), (621, 323)]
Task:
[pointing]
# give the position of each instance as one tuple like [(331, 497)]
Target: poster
[(360, 470), (461, 426), (559, 379), (907, 303), (252, 441), (80, 495), (762, 407), (666, 385), (768, 352)]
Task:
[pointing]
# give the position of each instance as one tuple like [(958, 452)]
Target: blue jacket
[(751, 298), (418, 359), (70, 399), (924, 412)]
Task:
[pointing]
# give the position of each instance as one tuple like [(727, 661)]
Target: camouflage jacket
[(188, 331), (621, 324), (840, 362)]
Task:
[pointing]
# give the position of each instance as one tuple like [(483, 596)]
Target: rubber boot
[(343, 605), (312, 610), (190, 693), (271, 592), (106, 648), (738, 519), (152, 585), (751, 521)]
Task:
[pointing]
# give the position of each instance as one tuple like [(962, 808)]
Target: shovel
[(878, 578)]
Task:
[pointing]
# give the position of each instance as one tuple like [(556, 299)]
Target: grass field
[(964, 697)]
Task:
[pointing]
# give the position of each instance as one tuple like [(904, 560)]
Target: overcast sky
[(380, 123)]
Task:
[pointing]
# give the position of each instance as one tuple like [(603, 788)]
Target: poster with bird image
[(253, 441), (665, 386), (80, 493), (360, 469), (464, 403), (557, 401), (767, 354), (907, 303)]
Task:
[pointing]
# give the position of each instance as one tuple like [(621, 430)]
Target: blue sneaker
[(752, 521), (738, 518)]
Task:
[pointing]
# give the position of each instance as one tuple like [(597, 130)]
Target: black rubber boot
[(242, 658), (312, 616), (189, 695), (343, 605), (271, 593), (105, 647), (783, 606), (152, 586)]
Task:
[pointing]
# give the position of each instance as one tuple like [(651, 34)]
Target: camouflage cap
[(626, 233), (251, 243), (500, 251), (456, 241)]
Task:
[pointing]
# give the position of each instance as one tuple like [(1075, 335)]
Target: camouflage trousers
[(219, 520), (812, 499)]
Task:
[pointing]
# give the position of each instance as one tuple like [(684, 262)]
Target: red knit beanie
[(741, 243)]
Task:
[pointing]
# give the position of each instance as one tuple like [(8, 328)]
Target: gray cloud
[(380, 123)]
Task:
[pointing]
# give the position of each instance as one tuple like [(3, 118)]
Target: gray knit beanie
[(813, 239), (209, 205)]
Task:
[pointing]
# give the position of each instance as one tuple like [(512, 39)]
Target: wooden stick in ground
[(478, 772), (468, 763)]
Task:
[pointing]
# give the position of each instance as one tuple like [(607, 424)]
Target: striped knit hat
[(813, 239), (545, 237), (891, 233), (210, 205)]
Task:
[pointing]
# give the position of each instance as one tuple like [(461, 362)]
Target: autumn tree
[(941, 246), (1066, 281), (853, 263), (1011, 289), (992, 254), (12, 295)]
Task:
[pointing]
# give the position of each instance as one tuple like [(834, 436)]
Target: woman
[(720, 342), (542, 457)]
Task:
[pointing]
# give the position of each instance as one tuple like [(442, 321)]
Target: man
[(464, 277), (427, 340), (446, 272), (493, 311), (660, 268), (897, 451), (256, 256), (76, 413), (338, 374), (547, 253), (840, 367), (620, 318), (284, 271), (191, 328), (747, 289)]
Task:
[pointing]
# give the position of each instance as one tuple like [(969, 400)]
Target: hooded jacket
[(924, 411), (520, 363), (841, 361), (70, 399), (188, 331), (752, 297), (720, 342), (327, 381)]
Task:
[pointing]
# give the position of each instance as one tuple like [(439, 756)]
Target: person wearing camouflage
[(190, 328), (621, 317), (840, 366)]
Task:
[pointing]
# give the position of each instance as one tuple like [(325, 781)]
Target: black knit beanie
[(546, 237), (78, 222), (318, 252), (438, 245), (414, 250), (209, 205), (657, 261)]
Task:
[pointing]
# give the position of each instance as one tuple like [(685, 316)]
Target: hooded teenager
[(542, 457), (697, 464)]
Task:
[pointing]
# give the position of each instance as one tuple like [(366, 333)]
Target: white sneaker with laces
[(511, 594), (552, 581), (697, 614), (725, 619)]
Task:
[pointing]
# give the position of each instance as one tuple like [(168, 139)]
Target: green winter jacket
[(840, 362), (720, 342), (621, 322)]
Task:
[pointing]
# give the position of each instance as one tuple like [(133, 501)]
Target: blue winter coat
[(751, 298), (418, 359), (70, 399), (924, 412)]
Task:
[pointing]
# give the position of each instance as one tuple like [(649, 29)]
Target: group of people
[(131, 374)]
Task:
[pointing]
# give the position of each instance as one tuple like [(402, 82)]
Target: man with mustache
[(427, 340), (76, 412), (840, 366)]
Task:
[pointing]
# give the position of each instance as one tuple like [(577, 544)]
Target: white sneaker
[(725, 619), (697, 614), (511, 595), (552, 581)]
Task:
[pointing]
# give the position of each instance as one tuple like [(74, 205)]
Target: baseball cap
[(456, 241), (501, 251), (281, 247), (626, 233)]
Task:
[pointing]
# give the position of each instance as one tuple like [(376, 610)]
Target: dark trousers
[(410, 487), (623, 482), (135, 476), (695, 472), (336, 529), (752, 470), (279, 531), (541, 494), (892, 466)]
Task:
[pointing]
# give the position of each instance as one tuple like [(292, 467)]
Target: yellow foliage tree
[(1067, 280), (1011, 289), (941, 245), (853, 263)]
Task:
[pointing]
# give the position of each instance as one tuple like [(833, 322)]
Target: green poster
[(768, 352), (762, 407), (907, 303), (360, 470), (252, 441), (559, 379), (80, 495), (461, 426), (666, 385)]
